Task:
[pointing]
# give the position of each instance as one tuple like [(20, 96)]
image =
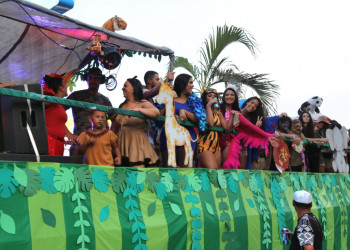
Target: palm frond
[(224, 36), (182, 62)]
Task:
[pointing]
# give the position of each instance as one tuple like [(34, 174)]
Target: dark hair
[(148, 75), (96, 72), (181, 82), (284, 119), (53, 81), (235, 105), (302, 205), (138, 92), (253, 116), (204, 96), (308, 131), (334, 124)]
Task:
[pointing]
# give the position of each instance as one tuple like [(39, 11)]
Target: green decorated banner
[(70, 206)]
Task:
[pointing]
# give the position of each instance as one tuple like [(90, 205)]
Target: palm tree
[(214, 69)]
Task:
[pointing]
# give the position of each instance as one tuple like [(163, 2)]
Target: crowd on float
[(136, 142)]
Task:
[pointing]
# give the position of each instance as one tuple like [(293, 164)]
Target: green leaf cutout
[(195, 182), (48, 217), (236, 205), (167, 180), (104, 213), (83, 176), (141, 176), (64, 180), (209, 208), (222, 179), (20, 175), (7, 223), (250, 203), (33, 184), (151, 209), (119, 180), (176, 209)]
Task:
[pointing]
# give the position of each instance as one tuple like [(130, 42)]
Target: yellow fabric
[(100, 153), (209, 140)]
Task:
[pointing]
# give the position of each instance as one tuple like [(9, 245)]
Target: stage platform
[(72, 206)]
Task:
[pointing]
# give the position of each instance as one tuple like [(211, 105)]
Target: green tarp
[(68, 206)]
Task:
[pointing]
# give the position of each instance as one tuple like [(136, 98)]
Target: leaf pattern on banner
[(119, 180), (250, 203), (141, 176), (7, 223), (132, 190), (193, 183), (81, 222), (47, 174), (82, 175), (20, 175), (222, 179), (161, 191), (8, 184), (151, 181), (276, 190), (205, 181), (175, 208), (64, 180), (209, 208), (104, 213), (233, 182), (167, 180), (151, 209), (48, 217), (236, 205), (33, 183), (100, 179), (175, 175)]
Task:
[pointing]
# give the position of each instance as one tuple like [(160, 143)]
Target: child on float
[(208, 148), (99, 144), (326, 156), (297, 158)]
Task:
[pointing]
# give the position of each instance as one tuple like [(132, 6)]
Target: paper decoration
[(20, 175), (33, 183), (64, 180), (8, 184), (250, 203), (100, 179), (175, 208), (209, 208), (48, 217), (47, 174), (281, 156), (151, 209), (83, 176), (104, 213), (119, 180), (176, 134), (7, 223)]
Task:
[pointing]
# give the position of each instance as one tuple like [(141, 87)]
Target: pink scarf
[(251, 136)]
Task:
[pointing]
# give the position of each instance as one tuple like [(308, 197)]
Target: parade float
[(49, 203)]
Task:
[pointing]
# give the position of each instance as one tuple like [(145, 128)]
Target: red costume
[(56, 119)]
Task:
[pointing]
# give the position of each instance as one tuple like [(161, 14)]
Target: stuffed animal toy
[(338, 142), (95, 46), (113, 24), (176, 135), (312, 106)]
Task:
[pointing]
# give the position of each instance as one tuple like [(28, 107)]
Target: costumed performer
[(134, 144), (189, 108), (312, 151), (99, 144), (208, 146), (249, 134), (55, 114)]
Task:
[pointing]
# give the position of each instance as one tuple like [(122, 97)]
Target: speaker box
[(15, 115)]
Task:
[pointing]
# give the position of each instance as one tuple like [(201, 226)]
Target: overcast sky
[(303, 45)]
